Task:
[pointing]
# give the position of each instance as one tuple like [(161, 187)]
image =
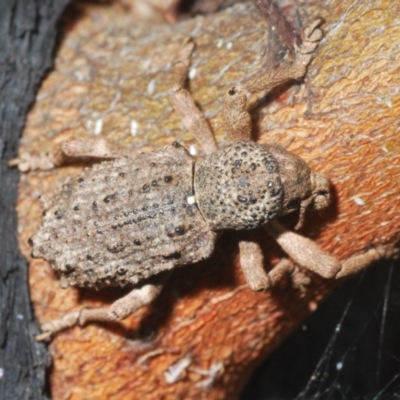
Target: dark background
[(348, 349), (28, 32)]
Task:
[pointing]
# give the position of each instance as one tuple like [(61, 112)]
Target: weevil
[(131, 220)]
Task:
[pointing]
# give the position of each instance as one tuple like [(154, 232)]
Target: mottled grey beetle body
[(125, 220)]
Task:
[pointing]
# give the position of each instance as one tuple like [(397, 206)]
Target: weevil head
[(248, 184), (303, 187)]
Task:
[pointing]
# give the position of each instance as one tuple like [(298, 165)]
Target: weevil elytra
[(130, 220)]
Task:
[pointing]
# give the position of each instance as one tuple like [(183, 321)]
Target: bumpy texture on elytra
[(124, 220)]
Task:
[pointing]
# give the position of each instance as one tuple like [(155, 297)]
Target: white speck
[(1, 372), (212, 374), (42, 96), (80, 76), (146, 64), (223, 297), (389, 103), (221, 73), (339, 365), (125, 51), (304, 327), (229, 45), (385, 100), (191, 200), (220, 42), (192, 150), (89, 124), (115, 100), (151, 86), (142, 359), (337, 329), (358, 200), (98, 126), (134, 127), (20, 317), (192, 73), (385, 149), (174, 371)]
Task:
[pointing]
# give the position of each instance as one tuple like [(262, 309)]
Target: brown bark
[(110, 76)]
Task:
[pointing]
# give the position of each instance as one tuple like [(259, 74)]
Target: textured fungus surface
[(207, 330)]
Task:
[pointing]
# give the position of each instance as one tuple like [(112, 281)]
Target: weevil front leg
[(359, 261), (119, 310), (237, 120), (308, 254), (183, 102), (304, 251)]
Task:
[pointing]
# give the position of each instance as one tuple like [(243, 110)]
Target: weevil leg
[(237, 120), (251, 261), (119, 310), (183, 102), (282, 268), (304, 251), (65, 150), (359, 261), (287, 267), (86, 147), (307, 254), (31, 161)]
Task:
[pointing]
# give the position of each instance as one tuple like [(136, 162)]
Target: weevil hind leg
[(28, 161), (86, 147), (237, 119), (65, 150), (182, 101), (119, 310)]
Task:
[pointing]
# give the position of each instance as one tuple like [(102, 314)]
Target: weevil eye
[(294, 203)]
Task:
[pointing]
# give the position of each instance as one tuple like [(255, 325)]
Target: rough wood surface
[(112, 78), (28, 33)]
